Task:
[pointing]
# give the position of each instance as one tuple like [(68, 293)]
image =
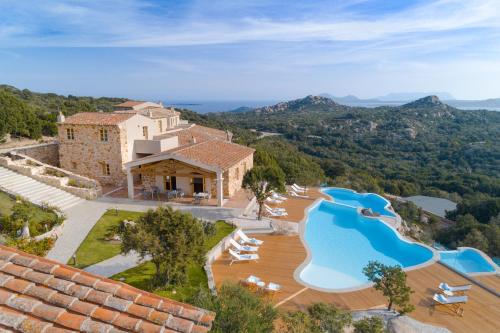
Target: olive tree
[(391, 281), (171, 238), (262, 181)]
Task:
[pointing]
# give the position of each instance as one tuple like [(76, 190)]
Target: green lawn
[(95, 247), (141, 275), (6, 203)]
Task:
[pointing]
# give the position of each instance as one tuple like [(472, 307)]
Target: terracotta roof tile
[(129, 103), (98, 118), (200, 133), (38, 294)]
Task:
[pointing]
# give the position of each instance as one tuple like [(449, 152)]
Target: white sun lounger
[(274, 213), (242, 257), (294, 194), (247, 240), (454, 289), (273, 200), (277, 196), (453, 302), (296, 189), (276, 209), (244, 248), (299, 187), (273, 287)]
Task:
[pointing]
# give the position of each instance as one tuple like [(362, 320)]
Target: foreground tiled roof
[(218, 153), (200, 133), (41, 295), (97, 118)]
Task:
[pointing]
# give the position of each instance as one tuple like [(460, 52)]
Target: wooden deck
[(295, 207), (491, 281), (281, 255)]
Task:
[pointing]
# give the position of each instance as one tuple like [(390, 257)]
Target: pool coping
[(482, 254), (302, 226)]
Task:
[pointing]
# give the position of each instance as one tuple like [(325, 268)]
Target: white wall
[(133, 128)]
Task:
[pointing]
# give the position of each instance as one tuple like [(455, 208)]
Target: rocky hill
[(306, 103)]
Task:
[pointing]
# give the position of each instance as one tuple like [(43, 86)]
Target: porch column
[(130, 184), (220, 188)]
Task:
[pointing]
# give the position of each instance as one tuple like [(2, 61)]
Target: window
[(145, 132), (103, 134), (237, 174), (105, 169), (244, 167), (70, 133), (160, 126)]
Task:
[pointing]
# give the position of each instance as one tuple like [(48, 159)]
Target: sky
[(251, 50)]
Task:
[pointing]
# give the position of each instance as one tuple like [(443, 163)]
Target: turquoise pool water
[(341, 242), (466, 260), (374, 201)]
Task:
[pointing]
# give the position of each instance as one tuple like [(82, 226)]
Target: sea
[(224, 106)]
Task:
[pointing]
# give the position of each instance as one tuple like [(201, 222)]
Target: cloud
[(134, 23)]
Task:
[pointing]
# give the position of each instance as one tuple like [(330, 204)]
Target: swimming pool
[(341, 242), (467, 260), (348, 197)]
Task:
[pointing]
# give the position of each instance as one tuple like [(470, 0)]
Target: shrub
[(54, 173), (237, 309), (369, 325), (39, 248)]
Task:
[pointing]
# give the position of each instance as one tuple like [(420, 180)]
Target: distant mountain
[(428, 102), (315, 102), (492, 103), (349, 99), (411, 96)]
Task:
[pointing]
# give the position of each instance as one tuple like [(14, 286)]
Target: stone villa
[(143, 142)]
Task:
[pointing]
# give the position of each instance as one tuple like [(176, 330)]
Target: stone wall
[(86, 153), (233, 177), (47, 153)]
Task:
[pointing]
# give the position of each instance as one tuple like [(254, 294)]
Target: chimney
[(61, 118)]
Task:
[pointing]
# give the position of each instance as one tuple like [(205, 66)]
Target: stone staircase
[(35, 191)]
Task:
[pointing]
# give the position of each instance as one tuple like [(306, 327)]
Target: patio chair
[(276, 209), (237, 257), (294, 194), (299, 187), (253, 283), (455, 303), (277, 196), (296, 189), (455, 289), (274, 201), (274, 213), (247, 240), (243, 248)]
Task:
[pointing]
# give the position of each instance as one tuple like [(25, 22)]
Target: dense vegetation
[(28, 114), (424, 147)]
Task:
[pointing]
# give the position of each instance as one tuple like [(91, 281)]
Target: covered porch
[(165, 177)]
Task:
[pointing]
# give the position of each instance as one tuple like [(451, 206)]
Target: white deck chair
[(273, 287), (299, 187), (455, 289), (244, 248), (276, 209), (277, 196), (294, 194), (273, 200), (296, 189), (274, 213), (242, 257), (247, 240), (453, 302)]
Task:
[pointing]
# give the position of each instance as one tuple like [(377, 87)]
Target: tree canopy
[(173, 239), (391, 281)]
